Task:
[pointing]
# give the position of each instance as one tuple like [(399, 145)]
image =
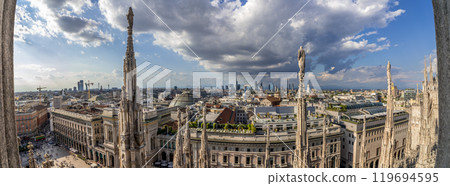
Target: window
[(237, 149), (236, 159), (225, 159), (247, 160), (259, 161), (213, 158), (378, 151), (282, 149), (248, 150), (283, 159), (260, 150)]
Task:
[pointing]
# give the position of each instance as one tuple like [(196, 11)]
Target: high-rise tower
[(131, 146)]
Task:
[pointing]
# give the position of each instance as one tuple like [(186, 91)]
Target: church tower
[(131, 146)]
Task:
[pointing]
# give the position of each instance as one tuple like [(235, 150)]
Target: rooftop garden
[(340, 108), (226, 128)]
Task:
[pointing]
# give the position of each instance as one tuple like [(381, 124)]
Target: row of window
[(248, 159)]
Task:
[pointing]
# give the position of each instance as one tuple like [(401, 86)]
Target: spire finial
[(431, 69), (130, 16), (425, 71), (389, 77)]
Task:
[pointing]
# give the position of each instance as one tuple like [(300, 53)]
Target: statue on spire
[(301, 62), (130, 16)]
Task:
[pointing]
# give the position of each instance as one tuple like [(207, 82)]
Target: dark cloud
[(225, 35), (72, 24)]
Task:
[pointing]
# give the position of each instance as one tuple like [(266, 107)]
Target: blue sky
[(348, 42)]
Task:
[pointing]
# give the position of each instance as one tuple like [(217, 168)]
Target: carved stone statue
[(47, 163), (130, 18), (31, 161), (301, 61)]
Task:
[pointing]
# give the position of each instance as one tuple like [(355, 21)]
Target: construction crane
[(40, 89), (88, 86)]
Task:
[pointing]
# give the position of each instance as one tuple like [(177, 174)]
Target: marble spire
[(362, 153), (425, 74), (186, 142), (417, 93), (178, 156), (323, 162), (301, 138), (431, 71), (267, 155), (387, 146), (131, 146), (204, 150)]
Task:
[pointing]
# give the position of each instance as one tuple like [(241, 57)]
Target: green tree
[(252, 128)]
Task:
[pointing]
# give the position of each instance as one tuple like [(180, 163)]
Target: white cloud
[(36, 68), (381, 39), (225, 34), (52, 18)]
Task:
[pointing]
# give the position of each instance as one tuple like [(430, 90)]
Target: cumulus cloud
[(225, 34), (53, 18), (360, 77)]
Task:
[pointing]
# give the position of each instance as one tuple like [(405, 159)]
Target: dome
[(182, 100)]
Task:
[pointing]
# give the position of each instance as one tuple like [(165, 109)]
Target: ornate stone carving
[(300, 156)]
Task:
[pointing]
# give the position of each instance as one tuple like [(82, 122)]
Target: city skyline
[(84, 40), (314, 129)]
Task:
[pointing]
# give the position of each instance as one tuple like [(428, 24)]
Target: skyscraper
[(81, 85)]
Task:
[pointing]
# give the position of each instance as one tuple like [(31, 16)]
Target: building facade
[(29, 122)]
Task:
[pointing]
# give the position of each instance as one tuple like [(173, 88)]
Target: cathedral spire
[(204, 150), (186, 142), (425, 74), (267, 155), (387, 147), (362, 153), (431, 71), (301, 136), (324, 143), (130, 61), (417, 93), (178, 157), (131, 146)]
